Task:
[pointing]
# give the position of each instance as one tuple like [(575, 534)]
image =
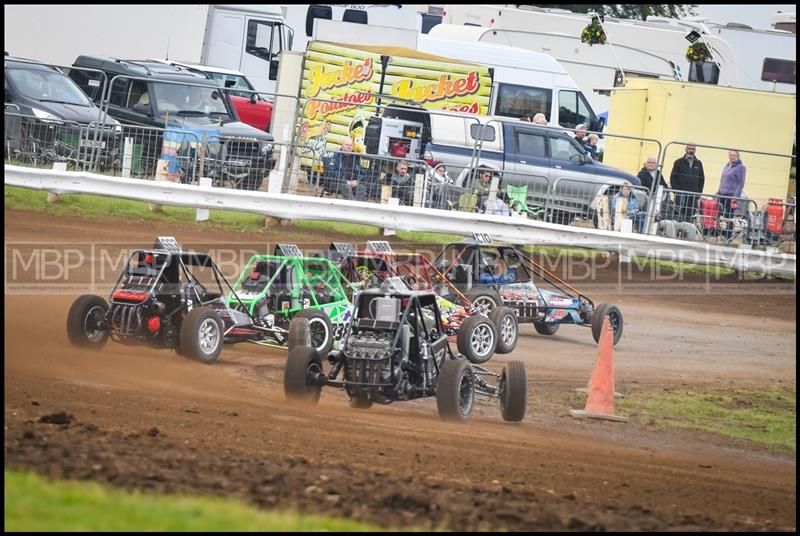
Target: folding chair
[(518, 197), (467, 201)]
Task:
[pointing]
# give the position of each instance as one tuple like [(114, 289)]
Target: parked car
[(48, 117), (548, 161), (190, 107), (251, 107)]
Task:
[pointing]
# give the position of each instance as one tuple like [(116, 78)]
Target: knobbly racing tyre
[(202, 335), (507, 327), (299, 332), (302, 362), (544, 328), (514, 391), (484, 299), (359, 402), (455, 391), (83, 319), (320, 328), (614, 317), (477, 339)]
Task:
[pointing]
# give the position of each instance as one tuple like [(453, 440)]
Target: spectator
[(731, 184), (483, 186), (650, 177), (688, 177), (527, 117), (632, 212), (540, 119), (500, 206), (580, 137), (441, 186), (593, 140), (402, 183), (347, 174)]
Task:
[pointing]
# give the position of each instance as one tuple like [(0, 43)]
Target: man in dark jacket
[(346, 173), (687, 176)]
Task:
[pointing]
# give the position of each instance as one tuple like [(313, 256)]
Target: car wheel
[(302, 363), (455, 391), (360, 402), (543, 328), (614, 317), (477, 339), (484, 299), (505, 322), (299, 332), (320, 328), (514, 391), (83, 322), (202, 335)]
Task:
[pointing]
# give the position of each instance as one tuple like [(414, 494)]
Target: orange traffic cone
[(600, 403)]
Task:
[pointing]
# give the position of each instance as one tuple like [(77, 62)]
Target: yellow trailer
[(704, 114)]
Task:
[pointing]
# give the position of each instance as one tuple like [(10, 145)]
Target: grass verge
[(766, 416), (686, 268), (33, 503)]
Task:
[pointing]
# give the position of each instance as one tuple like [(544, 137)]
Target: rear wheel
[(299, 332), (301, 365), (455, 392), (320, 329), (614, 317), (83, 322), (202, 335), (543, 328), (505, 321), (514, 391), (484, 299), (477, 339), (360, 402)]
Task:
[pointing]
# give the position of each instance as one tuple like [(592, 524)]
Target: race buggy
[(273, 289), (397, 349), (167, 298), (491, 276), (412, 271)]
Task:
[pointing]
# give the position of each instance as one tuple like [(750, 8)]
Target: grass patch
[(33, 503), (555, 251), (766, 416)]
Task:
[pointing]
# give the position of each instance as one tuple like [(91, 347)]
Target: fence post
[(202, 214), (161, 175), (53, 197), (127, 157)]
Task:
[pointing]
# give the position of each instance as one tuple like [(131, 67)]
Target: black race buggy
[(396, 350)]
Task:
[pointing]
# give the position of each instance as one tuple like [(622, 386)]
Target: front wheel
[(514, 391), (302, 365), (614, 318), (320, 329), (84, 322), (360, 402), (505, 320), (477, 339), (202, 335), (543, 328), (299, 333), (455, 391), (484, 299)]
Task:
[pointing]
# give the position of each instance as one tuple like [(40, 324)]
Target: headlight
[(41, 114), (266, 148)]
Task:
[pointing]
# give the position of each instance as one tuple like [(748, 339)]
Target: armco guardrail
[(503, 228)]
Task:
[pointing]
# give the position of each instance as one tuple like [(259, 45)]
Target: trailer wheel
[(455, 391), (302, 363), (614, 317), (320, 328), (202, 335), (514, 391), (505, 321), (543, 328), (83, 322), (477, 339)]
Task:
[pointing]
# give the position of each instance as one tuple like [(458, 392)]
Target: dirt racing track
[(152, 420)]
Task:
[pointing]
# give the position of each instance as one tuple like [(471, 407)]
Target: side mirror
[(141, 109), (273, 69), (253, 98), (482, 132)]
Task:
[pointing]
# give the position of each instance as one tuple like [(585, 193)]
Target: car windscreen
[(181, 99), (46, 86)]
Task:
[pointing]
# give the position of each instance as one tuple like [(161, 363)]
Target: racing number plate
[(289, 250), (93, 144), (379, 246)]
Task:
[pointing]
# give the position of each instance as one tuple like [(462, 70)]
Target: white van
[(525, 82)]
